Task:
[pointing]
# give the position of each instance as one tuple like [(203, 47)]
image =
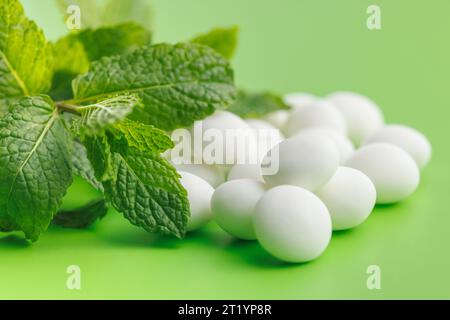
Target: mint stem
[(65, 107)]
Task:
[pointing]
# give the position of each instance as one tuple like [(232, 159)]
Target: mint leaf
[(82, 167), (140, 183), (74, 52), (143, 137), (222, 40), (97, 117), (123, 11), (257, 105), (35, 165), (82, 217), (178, 84), (90, 11), (26, 60), (148, 192), (70, 55), (107, 41), (100, 157)]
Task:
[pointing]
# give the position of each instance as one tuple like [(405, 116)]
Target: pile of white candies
[(337, 161)]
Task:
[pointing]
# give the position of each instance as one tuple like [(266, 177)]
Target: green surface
[(317, 46)]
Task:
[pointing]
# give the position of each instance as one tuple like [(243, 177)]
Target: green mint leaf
[(97, 117), (178, 84), (99, 43), (26, 59), (82, 167), (70, 55), (70, 60), (222, 40), (148, 192), (100, 157), (257, 105), (74, 52), (143, 137), (90, 11), (82, 217), (35, 165), (124, 11)]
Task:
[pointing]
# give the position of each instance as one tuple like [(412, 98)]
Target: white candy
[(350, 197), (278, 118), (267, 136), (361, 115), (246, 171), (233, 205), (307, 162), (392, 170), (409, 139), (211, 174), (292, 224), (343, 144), (318, 113), (234, 134), (299, 99), (199, 195)]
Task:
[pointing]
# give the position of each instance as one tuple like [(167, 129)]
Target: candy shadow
[(343, 233), (251, 253)]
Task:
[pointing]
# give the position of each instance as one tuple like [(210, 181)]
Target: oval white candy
[(307, 162), (233, 205), (319, 113), (292, 224), (392, 170), (361, 115), (298, 100), (211, 174), (409, 139), (278, 118), (246, 171), (199, 194), (344, 145), (350, 197), (225, 133), (267, 136)]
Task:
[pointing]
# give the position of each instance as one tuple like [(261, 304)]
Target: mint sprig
[(108, 129)]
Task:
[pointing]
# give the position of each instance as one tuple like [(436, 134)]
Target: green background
[(299, 45)]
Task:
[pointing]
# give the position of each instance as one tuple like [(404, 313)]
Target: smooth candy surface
[(246, 171), (292, 224), (199, 194), (298, 99), (267, 135), (232, 133), (392, 170), (350, 197), (343, 144), (361, 115), (211, 174), (278, 118), (409, 139), (307, 162), (233, 205), (318, 113)]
